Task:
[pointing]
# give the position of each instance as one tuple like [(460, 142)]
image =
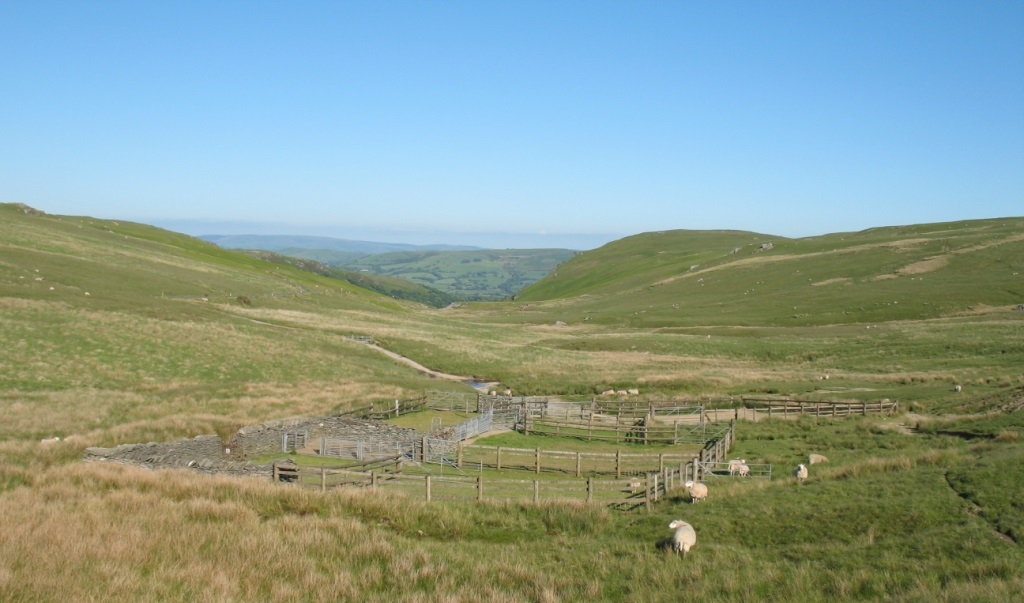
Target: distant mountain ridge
[(285, 242)]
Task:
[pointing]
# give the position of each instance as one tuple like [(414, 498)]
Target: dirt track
[(426, 371)]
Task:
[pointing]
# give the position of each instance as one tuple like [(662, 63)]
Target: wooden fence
[(576, 463), (642, 490), (786, 407), (618, 428), (386, 410)]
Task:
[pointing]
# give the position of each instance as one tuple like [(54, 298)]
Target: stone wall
[(256, 440), (206, 453), (202, 453)]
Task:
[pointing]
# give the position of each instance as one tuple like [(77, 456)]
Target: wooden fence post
[(428, 487), (498, 459), (647, 492), (538, 461), (374, 481), (864, 408), (590, 489), (618, 463), (578, 464), (661, 462), (323, 479), (479, 488)]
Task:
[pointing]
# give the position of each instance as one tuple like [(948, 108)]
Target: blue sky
[(527, 124)]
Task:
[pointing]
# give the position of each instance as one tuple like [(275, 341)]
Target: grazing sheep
[(817, 458), (634, 484), (697, 490), (957, 388), (743, 470), (800, 473), (52, 440), (684, 538), (735, 464)]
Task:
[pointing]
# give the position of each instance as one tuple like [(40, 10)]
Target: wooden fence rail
[(646, 491), (773, 407), (386, 410), (620, 493), (576, 463)]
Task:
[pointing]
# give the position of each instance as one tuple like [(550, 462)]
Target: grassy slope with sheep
[(928, 515)]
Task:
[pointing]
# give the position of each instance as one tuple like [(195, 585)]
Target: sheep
[(800, 473), (634, 484), (735, 464), (684, 538), (698, 491), (957, 388), (48, 441), (817, 458), (744, 470)]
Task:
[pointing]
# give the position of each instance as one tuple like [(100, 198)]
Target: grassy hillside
[(127, 332), (684, 278), (480, 275), (178, 338)]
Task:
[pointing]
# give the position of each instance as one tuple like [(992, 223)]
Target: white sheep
[(817, 458), (735, 464), (697, 490), (634, 484), (800, 473), (743, 470), (684, 538), (958, 388), (48, 441)]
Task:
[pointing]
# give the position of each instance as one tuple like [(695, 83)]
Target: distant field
[(472, 275)]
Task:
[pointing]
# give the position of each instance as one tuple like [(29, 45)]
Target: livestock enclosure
[(651, 488), (651, 476)]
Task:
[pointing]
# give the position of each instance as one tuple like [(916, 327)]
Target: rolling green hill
[(118, 333), (685, 278)]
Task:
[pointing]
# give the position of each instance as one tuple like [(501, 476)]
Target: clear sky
[(542, 122)]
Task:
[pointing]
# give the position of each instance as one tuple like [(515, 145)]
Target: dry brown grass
[(833, 281), (927, 265), (124, 533)]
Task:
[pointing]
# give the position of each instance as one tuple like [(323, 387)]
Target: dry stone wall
[(202, 453), (208, 454), (256, 440)]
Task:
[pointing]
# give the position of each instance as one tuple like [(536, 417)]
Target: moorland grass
[(926, 516)]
